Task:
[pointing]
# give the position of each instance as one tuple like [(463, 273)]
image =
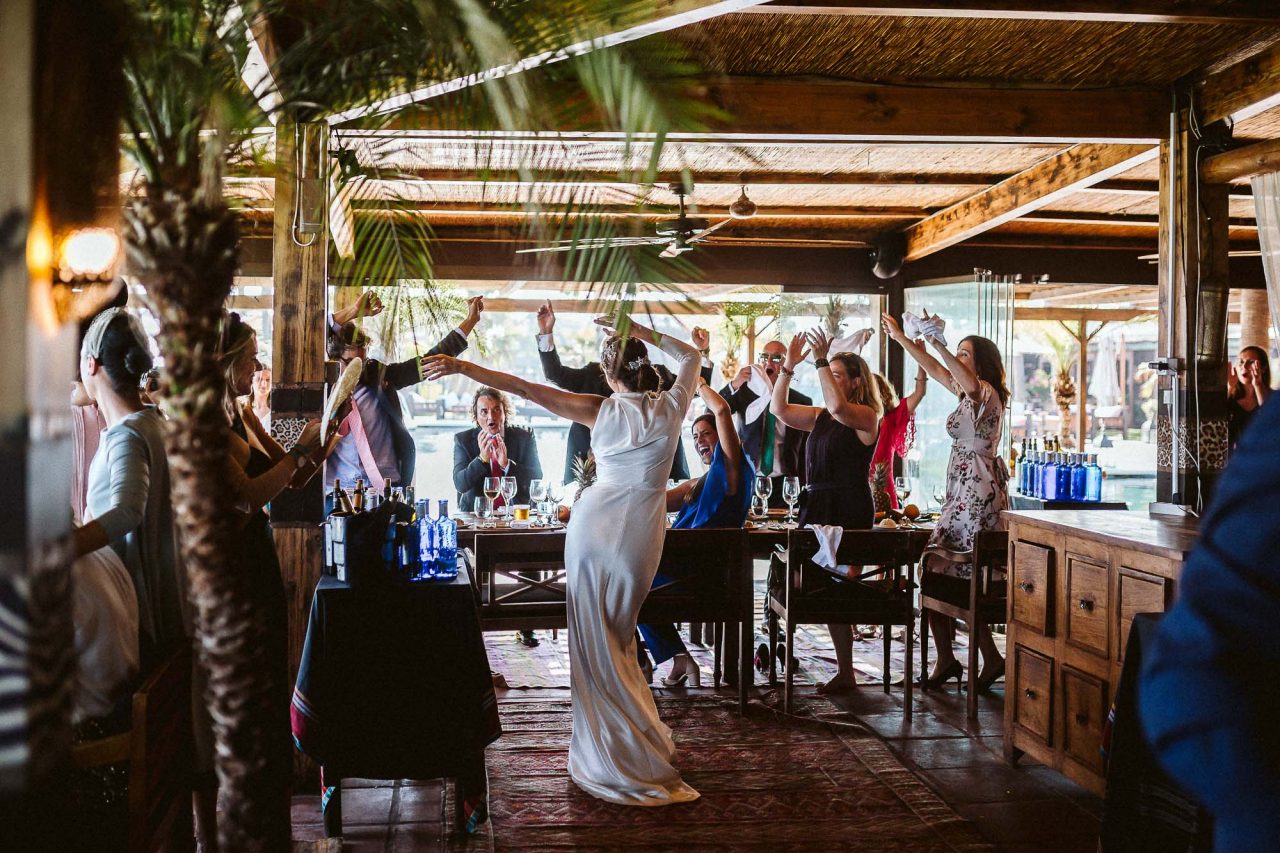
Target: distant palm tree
[(189, 115)]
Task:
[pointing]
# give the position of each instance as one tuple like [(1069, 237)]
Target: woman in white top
[(620, 751), (128, 505)]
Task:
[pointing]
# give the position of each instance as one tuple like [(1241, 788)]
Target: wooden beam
[(670, 15), (262, 56), (1242, 91), (1059, 176), (818, 109), (630, 211), (1078, 314), (702, 178), (1258, 12), (1256, 159)]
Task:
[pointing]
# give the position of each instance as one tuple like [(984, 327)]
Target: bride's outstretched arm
[(582, 408)]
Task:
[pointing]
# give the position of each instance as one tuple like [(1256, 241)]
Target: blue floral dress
[(977, 479)]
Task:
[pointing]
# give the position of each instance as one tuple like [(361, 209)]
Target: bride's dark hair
[(627, 362)]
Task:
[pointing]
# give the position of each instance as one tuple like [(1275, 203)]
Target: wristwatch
[(302, 457)]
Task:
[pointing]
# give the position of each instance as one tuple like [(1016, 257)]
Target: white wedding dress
[(620, 750)]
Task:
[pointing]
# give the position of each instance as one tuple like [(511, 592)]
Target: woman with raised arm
[(837, 459), (976, 476), (620, 751)]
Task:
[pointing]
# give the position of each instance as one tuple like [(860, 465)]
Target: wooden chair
[(158, 747), (518, 580), (980, 600), (811, 594), (711, 572)]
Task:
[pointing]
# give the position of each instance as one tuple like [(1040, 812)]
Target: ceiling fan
[(678, 234)]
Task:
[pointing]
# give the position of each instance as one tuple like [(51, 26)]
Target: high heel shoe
[(951, 670), (691, 677), (989, 676)]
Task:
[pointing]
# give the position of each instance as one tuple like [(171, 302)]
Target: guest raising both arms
[(897, 434), (977, 490)]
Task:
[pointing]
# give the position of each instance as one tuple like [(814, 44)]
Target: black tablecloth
[(394, 684)]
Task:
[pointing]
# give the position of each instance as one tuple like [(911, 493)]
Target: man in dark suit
[(590, 380), (493, 448), (767, 442), (376, 446)]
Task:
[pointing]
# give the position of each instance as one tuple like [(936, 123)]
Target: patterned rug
[(768, 782)]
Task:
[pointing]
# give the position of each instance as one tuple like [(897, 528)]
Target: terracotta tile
[(920, 725), (365, 839), (350, 783), (945, 752), (366, 806), (418, 838), (308, 831), (420, 804), (1029, 820)]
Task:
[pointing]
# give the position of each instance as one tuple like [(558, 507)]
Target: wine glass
[(940, 495), (791, 494), (492, 488), (537, 494), (763, 488), (509, 495), (481, 510), (903, 487)]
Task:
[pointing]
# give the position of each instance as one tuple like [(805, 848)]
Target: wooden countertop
[(1137, 530)]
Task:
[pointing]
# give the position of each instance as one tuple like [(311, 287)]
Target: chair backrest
[(991, 549), (859, 547), (161, 758), (686, 552)]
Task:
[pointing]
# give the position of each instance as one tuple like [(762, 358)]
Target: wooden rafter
[(671, 15), (701, 178), (263, 54), (1256, 159), (1261, 12), (1244, 90), (1035, 188), (820, 110), (1079, 314)]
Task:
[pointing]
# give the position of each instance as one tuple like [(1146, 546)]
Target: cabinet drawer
[(1031, 593), (1139, 592), (1085, 610), (1033, 694), (1084, 701)]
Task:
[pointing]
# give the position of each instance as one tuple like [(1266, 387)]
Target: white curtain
[(1266, 202)]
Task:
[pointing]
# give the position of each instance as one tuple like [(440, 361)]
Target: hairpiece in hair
[(637, 363)]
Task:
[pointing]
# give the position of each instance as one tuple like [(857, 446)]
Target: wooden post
[(751, 341), (299, 325), (1082, 385)]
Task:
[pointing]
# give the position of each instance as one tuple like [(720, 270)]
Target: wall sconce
[(85, 272)]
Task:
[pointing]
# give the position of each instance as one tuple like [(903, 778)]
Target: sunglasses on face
[(775, 358)]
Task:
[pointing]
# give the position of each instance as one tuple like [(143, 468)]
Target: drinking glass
[(482, 509), (763, 488), (537, 494), (791, 494), (509, 494), (903, 487), (940, 496), (492, 488)]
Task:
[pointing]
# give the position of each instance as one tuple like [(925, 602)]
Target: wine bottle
[(359, 503), (446, 543)]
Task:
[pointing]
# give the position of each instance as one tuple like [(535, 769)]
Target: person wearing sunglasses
[(772, 447)]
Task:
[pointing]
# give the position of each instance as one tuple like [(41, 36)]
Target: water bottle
[(426, 539), (1049, 479), (1093, 479), (1032, 486), (446, 544), (1064, 478), (1079, 475)]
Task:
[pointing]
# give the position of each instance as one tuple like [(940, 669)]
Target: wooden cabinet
[(1077, 578)]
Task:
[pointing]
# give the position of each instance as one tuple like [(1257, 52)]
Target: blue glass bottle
[(1078, 477), (1093, 479), (446, 562), (1049, 479), (1064, 478), (426, 539), (1030, 477)]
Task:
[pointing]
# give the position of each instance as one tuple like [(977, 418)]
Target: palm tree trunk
[(183, 250)]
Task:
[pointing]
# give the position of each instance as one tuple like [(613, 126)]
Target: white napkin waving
[(829, 536), (758, 382), (852, 343), (915, 328)]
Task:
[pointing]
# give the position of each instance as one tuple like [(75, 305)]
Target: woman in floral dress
[(977, 479)]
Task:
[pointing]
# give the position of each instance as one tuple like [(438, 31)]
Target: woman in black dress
[(842, 439)]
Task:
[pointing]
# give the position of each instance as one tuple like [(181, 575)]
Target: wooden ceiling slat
[(1244, 90), (1261, 12), (1037, 187)]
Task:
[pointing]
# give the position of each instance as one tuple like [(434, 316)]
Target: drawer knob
[(1086, 604), (1029, 693), (1026, 587), (1082, 719)]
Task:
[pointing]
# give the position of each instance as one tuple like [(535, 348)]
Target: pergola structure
[(1070, 140)]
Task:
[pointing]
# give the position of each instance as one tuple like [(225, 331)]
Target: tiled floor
[(1025, 808)]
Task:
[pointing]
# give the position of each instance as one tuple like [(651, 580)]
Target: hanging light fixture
[(743, 208)]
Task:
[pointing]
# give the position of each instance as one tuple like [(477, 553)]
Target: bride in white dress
[(620, 751)]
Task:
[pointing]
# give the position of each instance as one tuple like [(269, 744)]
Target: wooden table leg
[(746, 673)]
